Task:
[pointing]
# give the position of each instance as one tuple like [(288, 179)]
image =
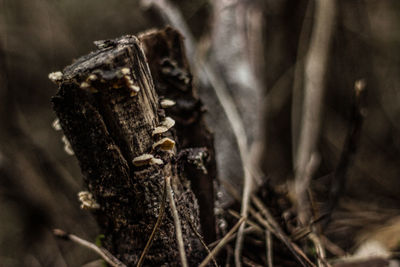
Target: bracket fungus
[(146, 159)]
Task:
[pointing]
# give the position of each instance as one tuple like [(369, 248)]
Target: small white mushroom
[(159, 130), (129, 82), (165, 125), (125, 71), (135, 88), (165, 144), (167, 103), (56, 77), (142, 160), (92, 77), (67, 146), (87, 200), (146, 159), (168, 122), (84, 85), (156, 161), (56, 125)]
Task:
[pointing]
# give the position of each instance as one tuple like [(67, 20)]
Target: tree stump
[(110, 113)]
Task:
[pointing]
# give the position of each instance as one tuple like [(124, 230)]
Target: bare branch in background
[(297, 91), (349, 147), (315, 69)]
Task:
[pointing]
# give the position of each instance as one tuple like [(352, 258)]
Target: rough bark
[(173, 80), (108, 126)]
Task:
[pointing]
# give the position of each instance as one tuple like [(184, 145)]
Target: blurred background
[(39, 181)]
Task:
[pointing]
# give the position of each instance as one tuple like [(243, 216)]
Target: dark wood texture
[(108, 127), (170, 70)]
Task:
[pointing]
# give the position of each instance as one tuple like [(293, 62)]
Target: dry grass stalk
[(222, 243), (177, 222), (269, 249), (201, 239), (315, 69), (105, 254)]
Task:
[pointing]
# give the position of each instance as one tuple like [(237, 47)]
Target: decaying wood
[(108, 109), (172, 79)]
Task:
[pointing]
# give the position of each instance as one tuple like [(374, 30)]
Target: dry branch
[(222, 243), (315, 68), (107, 256)]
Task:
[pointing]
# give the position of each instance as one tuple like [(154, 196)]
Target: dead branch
[(315, 68), (269, 249), (105, 254), (349, 147), (222, 243), (177, 222)]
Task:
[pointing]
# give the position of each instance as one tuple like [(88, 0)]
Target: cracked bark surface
[(108, 124), (173, 80)]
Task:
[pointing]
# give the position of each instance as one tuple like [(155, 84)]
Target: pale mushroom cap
[(157, 161), (160, 130), (165, 125), (168, 122), (125, 71), (55, 76), (84, 85), (84, 194), (92, 77), (142, 159), (165, 144), (167, 103), (87, 200), (56, 125)]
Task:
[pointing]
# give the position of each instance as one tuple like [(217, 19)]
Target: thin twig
[(248, 221), (249, 262), (294, 249), (200, 238), (264, 211), (297, 92), (332, 247), (274, 227), (315, 69), (105, 254), (156, 226), (349, 147), (177, 222), (248, 230), (315, 228), (319, 249), (221, 244), (268, 245), (271, 225)]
